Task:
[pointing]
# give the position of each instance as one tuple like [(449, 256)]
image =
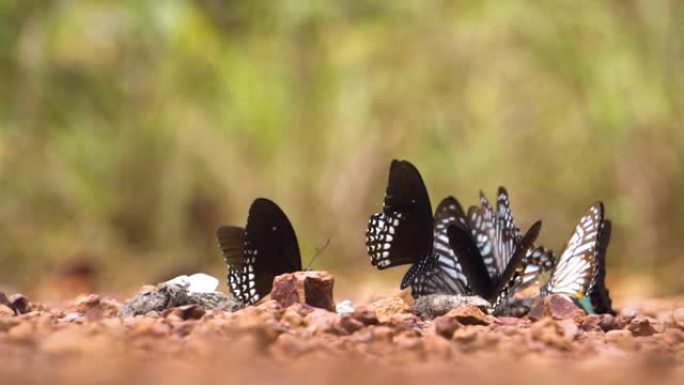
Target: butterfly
[(442, 274), (405, 232), (578, 268), (599, 295), (497, 237), (265, 248), (496, 288)]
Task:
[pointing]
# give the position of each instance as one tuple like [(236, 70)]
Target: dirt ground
[(85, 341)]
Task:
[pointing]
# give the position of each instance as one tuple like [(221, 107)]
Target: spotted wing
[(577, 267), (269, 248), (402, 232)]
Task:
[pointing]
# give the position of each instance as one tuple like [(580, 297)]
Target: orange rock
[(314, 288), (385, 308)]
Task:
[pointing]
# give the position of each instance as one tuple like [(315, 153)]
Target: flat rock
[(469, 315), (434, 305), (314, 288)]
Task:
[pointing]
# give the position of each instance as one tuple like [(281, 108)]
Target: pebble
[(678, 317)]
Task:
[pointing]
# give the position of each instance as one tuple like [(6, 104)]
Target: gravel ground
[(86, 341)]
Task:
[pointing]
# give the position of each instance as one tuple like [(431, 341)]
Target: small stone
[(678, 317), (185, 312), (560, 307), (469, 315), (386, 307), (284, 290), (350, 324), (641, 327), (510, 321), (344, 307), (618, 335), (366, 316), (465, 335), (72, 316), (383, 333), (315, 288), (20, 303), (608, 322), (435, 305), (445, 326), (569, 329), (628, 314), (591, 323), (6, 311), (557, 306), (321, 321)]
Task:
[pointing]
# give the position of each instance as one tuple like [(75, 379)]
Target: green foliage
[(130, 130)]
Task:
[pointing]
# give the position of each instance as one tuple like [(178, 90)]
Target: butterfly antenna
[(318, 252)]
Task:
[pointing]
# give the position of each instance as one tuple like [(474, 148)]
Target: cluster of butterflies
[(479, 252)]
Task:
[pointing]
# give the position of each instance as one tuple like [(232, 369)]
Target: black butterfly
[(577, 270), (267, 247), (497, 235), (406, 233), (498, 287)]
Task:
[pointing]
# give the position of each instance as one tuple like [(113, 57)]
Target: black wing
[(269, 248), (402, 232), (577, 267), (442, 274), (599, 295), (511, 276), (473, 266)]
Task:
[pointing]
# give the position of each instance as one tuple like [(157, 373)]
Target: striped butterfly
[(495, 288), (405, 232), (442, 273), (577, 269), (497, 236), (264, 249)]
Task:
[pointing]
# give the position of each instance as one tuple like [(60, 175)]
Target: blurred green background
[(130, 130)]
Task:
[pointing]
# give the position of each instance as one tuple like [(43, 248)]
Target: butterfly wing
[(599, 294), (402, 232), (577, 267), (442, 274), (269, 248), (468, 255), (515, 268), (537, 261), (482, 223), (507, 234)]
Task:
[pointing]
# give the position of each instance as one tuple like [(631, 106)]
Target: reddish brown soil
[(86, 342)]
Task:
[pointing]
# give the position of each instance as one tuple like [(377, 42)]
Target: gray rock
[(173, 294), (434, 305)]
